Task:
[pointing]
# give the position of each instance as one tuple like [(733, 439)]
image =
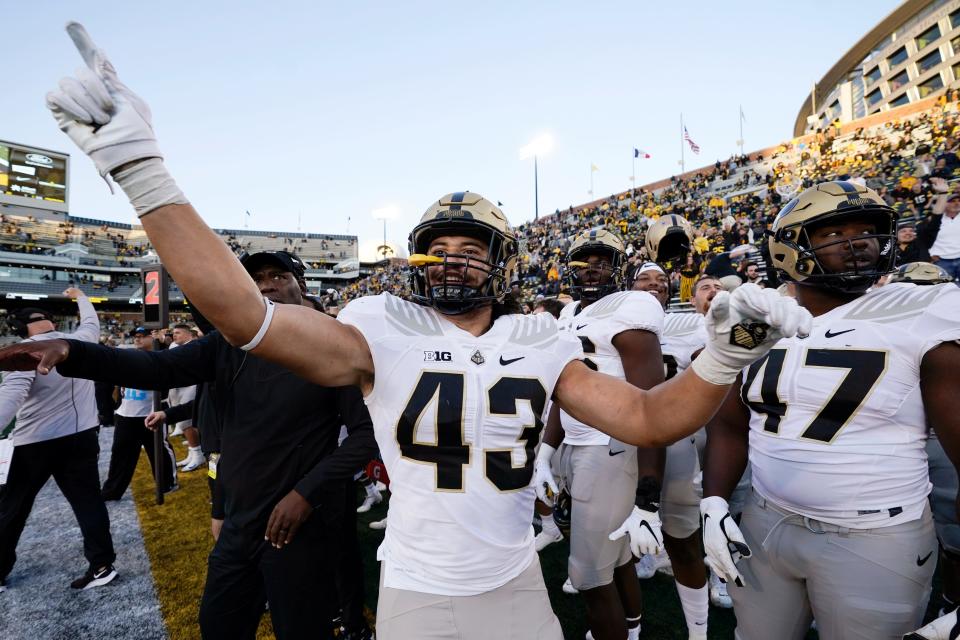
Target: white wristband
[(267, 319), (149, 186)]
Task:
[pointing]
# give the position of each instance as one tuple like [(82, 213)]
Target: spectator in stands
[(721, 267), (751, 273), (909, 247), (945, 248), (55, 435)]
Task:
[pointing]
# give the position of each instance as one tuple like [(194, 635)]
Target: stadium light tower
[(539, 146), (385, 213)]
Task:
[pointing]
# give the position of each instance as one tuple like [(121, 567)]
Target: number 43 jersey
[(457, 418), (837, 423)]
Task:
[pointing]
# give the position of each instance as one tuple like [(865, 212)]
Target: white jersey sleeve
[(683, 335), (596, 326), (837, 421), (457, 418), (940, 322)]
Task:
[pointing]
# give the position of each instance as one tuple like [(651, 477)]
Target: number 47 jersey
[(837, 422), (457, 418)]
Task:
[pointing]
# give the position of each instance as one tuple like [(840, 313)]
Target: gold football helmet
[(670, 237), (463, 214), (609, 277), (789, 241), (920, 273)]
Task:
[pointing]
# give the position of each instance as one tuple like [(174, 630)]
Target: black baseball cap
[(29, 314), (140, 331), (282, 259)]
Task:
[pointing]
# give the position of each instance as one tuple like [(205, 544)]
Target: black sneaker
[(97, 578)]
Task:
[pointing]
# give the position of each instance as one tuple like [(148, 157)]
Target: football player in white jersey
[(620, 334), (838, 527), (683, 337), (943, 477), (456, 384)]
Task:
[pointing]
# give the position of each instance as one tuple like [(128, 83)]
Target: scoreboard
[(33, 177)]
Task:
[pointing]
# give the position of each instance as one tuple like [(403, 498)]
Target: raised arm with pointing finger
[(113, 126)]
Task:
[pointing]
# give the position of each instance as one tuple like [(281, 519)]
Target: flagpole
[(683, 166), (741, 130), (633, 175), (591, 179), (536, 191)]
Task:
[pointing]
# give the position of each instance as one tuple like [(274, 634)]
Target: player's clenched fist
[(543, 482), (744, 325)]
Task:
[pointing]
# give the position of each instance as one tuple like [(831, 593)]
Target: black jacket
[(919, 249), (279, 432)]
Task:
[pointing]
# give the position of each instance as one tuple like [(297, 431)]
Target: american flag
[(693, 145)]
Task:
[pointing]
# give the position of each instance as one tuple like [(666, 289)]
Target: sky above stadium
[(313, 116)]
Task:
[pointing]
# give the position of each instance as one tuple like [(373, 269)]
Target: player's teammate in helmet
[(620, 332), (683, 337), (835, 425), (943, 494), (668, 238), (456, 387)]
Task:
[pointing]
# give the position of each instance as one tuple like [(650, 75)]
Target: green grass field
[(177, 538)]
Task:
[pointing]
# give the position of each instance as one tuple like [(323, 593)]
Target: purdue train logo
[(748, 335)]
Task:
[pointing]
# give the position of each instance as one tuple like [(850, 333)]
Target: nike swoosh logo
[(510, 361), (615, 453), (580, 326), (922, 562), (838, 333), (700, 624)]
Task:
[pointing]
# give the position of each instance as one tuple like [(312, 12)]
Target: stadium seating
[(886, 151)]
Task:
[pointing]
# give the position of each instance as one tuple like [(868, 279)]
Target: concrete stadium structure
[(911, 55)]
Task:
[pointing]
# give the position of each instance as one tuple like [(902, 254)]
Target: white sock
[(195, 449), (696, 605), (549, 526), (633, 632), (372, 491)]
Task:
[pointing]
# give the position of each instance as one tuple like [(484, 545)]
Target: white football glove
[(643, 527), (722, 540), (543, 481), (945, 627), (107, 120), (742, 326)]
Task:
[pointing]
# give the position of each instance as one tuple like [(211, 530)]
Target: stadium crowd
[(734, 202)]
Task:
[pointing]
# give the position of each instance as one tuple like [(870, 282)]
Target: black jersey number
[(864, 369), (670, 366), (449, 453), (588, 347)]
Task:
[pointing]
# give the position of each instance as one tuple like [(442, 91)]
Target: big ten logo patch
[(437, 356)]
